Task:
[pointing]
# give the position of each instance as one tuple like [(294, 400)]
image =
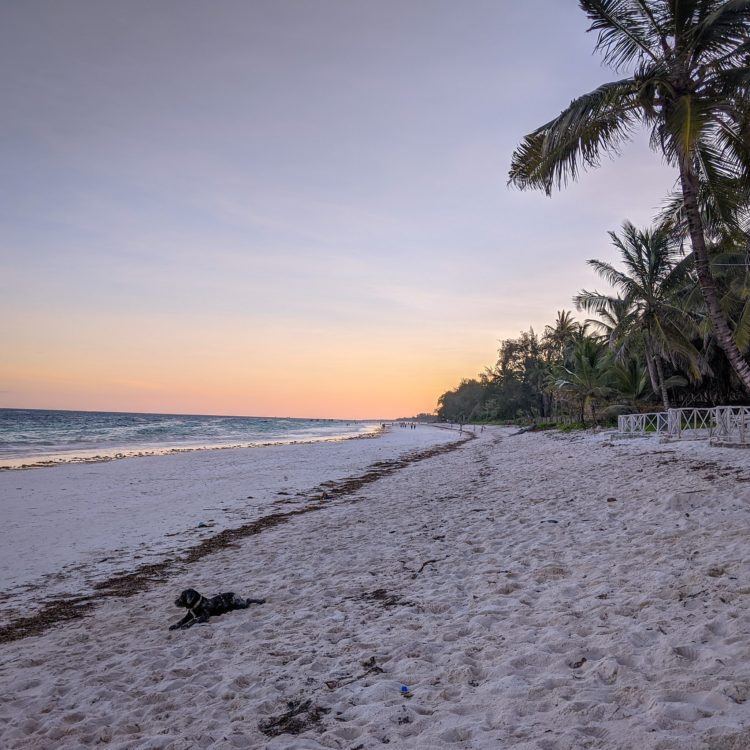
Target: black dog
[(200, 609)]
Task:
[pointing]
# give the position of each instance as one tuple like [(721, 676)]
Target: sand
[(530, 591), (67, 527)]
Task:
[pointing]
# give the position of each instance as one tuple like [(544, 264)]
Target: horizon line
[(187, 414)]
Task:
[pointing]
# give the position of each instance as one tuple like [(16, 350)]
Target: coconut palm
[(562, 331), (648, 285), (688, 82), (617, 325), (559, 337), (629, 382), (730, 265), (587, 379)]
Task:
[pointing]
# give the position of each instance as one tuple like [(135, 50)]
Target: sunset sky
[(286, 207)]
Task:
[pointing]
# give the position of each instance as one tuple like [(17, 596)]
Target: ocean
[(35, 437)]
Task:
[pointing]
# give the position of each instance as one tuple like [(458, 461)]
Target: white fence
[(690, 424), (722, 425), (731, 425), (652, 423)]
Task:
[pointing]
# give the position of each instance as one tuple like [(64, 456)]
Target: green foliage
[(648, 343), (684, 76), (586, 382), (687, 82), (676, 327), (572, 427)]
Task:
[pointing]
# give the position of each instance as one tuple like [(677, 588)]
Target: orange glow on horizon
[(220, 368)]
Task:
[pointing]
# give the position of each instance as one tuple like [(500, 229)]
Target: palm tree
[(689, 84), (648, 285), (587, 378), (630, 382), (559, 337), (730, 265), (616, 325)]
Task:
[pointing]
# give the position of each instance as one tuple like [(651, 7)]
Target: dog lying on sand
[(199, 608)]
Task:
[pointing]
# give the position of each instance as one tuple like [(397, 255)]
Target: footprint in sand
[(598, 733), (549, 573), (457, 734), (607, 671), (690, 653), (717, 627)]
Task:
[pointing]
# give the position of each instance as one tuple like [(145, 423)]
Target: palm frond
[(722, 30), (594, 124), (624, 31)]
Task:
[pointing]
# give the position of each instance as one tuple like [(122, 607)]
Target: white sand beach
[(68, 526), (535, 591)]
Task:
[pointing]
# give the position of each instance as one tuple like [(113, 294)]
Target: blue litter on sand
[(404, 689)]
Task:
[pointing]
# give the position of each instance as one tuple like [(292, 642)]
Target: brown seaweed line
[(143, 577)]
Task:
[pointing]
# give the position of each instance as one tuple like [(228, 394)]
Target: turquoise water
[(30, 436)]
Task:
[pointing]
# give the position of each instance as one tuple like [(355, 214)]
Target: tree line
[(676, 328)]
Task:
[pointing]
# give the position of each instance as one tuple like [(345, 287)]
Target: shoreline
[(143, 577), (68, 531), (48, 462)]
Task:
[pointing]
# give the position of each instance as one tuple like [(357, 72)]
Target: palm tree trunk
[(651, 368), (723, 333), (662, 386)]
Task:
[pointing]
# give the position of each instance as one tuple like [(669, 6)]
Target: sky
[(286, 207)]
